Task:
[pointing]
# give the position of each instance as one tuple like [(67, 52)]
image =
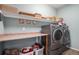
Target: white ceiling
[(52, 5), (57, 5)]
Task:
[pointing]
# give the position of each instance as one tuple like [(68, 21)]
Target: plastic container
[(39, 51)]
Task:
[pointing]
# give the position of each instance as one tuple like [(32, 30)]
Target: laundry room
[(39, 29)]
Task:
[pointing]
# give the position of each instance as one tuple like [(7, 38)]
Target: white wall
[(70, 13)]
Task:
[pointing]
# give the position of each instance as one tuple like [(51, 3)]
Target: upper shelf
[(18, 16), (16, 36)]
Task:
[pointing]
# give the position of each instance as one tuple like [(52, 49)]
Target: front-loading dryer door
[(66, 37)]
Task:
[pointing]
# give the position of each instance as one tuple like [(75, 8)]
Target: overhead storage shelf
[(17, 16)]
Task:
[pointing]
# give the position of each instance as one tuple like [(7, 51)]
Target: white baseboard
[(74, 48)]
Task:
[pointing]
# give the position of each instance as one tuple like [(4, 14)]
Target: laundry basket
[(26, 51), (39, 51), (29, 53)]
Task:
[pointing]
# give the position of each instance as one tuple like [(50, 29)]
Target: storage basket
[(29, 53), (27, 49)]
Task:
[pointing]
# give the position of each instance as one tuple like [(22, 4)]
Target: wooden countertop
[(17, 36)]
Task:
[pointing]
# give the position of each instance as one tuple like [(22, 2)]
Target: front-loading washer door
[(57, 38), (57, 34)]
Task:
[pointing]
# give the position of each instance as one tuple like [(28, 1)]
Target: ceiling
[(57, 5)]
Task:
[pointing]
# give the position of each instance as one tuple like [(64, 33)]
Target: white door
[(1, 27)]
